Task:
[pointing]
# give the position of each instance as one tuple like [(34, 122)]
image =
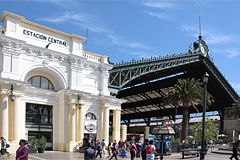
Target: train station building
[(50, 86)]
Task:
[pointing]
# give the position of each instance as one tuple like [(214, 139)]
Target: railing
[(92, 56)]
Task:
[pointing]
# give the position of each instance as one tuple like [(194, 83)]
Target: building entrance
[(39, 122), (91, 137)]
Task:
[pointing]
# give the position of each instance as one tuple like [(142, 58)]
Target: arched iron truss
[(143, 83)]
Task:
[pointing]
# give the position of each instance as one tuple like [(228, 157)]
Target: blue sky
[(126, 30)]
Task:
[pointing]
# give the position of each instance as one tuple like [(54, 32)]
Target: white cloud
[(67, 16), (61, 3), (159, 15), (232, 52), (87, 21), (211, 36), (158, 4), (77, 18), (141, 54), (120, 42)]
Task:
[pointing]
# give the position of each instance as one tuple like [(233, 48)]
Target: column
[(4, 116), (106, 125), (104, 82), (100, 124), (81, 123), (146, 133), (116, 124), (124, 132), (73, 122), (19, 120), (80, 77)]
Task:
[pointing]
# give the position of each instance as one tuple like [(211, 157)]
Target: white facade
[(31, 53)]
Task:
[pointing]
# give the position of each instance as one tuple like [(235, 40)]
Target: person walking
[(114, 151), (103, 146), (124, 150), (89, 153), (108, 148), (235, 149), (3, 146), (150, 149), (99, 150), (22, 151), (133, 150), (143, 149)]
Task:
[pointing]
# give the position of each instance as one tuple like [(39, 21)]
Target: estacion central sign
[(44, 37)]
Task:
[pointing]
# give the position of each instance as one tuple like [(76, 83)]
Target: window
[(38, 114), (41, 82), (90, 116)]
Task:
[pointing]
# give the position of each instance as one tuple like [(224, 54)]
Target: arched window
[(90, 116), (41, 82)]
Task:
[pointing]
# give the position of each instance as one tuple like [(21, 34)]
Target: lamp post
[(203, 149)]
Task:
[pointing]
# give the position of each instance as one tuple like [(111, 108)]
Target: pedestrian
[(114, 150), (89, 153), (98, 150), (4, 146), (133, 150), (108, 148), (103, 146), (143, 149), (138, 145), (235, 149), (22, 151), (150, 149), (124, 150)]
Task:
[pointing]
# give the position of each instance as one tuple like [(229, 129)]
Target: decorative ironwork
[(124, 72)]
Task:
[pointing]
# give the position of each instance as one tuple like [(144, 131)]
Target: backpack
[(149, 149), (100, 148)]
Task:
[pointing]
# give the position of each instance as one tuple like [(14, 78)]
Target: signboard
[(90, 127), (168, 123), (43, 37)]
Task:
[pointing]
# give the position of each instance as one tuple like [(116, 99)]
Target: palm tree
[(185, 93), (234, 111)]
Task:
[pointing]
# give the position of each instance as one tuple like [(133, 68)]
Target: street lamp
[(205, 81), (12, 97)]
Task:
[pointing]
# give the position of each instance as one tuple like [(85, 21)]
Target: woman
[(108, 148), (124, 150), (114, 151), (22, 151), (133, 150)]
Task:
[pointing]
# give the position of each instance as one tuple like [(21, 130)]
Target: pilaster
[(4, 115), (105, 131), (123, 132), (146, 132), (116, 124), (19, 120), (81, 122)]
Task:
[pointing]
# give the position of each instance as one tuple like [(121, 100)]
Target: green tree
[(234, 111), (210, 132), (185, 93)]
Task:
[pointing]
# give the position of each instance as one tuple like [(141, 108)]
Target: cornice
[(22, 20)]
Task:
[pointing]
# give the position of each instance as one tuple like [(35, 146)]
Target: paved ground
[(54, 155)]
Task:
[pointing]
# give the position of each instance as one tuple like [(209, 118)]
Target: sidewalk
[(55, 155)]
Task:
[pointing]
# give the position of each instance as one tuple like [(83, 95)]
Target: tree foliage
[(210, 131), (234, 111), (185, 93)]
